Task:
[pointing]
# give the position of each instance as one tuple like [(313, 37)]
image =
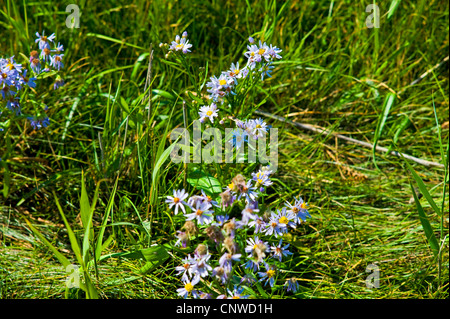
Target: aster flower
[(266, 70), (200, 267), (248, 213), (13, 105), (279, 251), (24, 80), (221, 219), (273, 52), (259, 224), (221, 274), (6, 92), (189, 288), (183, 238), (59, 82), (58, 48), (36, 65), (299, 209), (185, 269), (268, 275), (273, 227), (256, 248), (56, 61), (291, 285), (208, 111), (6, 77), (181, 44), (285, 218), (226, 260), (177, 200), (248, 191), (236, 293), (201, 213), (43, 40), (45, 55)]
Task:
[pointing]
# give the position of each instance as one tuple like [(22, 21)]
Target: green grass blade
[(426, 225), (62, 259), (387, 105)]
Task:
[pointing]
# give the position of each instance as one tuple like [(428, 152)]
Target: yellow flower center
[(179, 46), (304, 205), (258, 126), (4, 75), (231, 185), (188, 287), (273, 224), (270, 273), (295, 209), (260, 181), (176, 200), (261, 51), (236, 297), (199, 212), (236, 71), (222, 82), (209, 113), (255, 246), (186, 266), (283, 220), (10, 65)]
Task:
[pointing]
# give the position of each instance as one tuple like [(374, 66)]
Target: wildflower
[(239, 137), (221, 274), (59, 48), (285, 218), (59, 82), (33, 55), (234, 72), (13, 105), (248, 213), (268, 275), (291, 284), (221, 219), (6, 92), (200, 267), (177, 200), (230, 245), (215, 234), (256, 248), (248, 191), (38, 123), (225, 260), (299, 209), (43, 40), (266, 70), (190, 228), (201, 213), (252, 265), (56, 61), (45, 55), (273, 52), (189, 288), (273, 227), (258, 223), (209, 199), (205, 295), (181, 44), (231, 226), (248, 279), (185, 269), (236, 293), (251, 40), (6, 78), (36, 66), (226, 199), (24, 80), (183, 238), (208, 111), (279, 251)]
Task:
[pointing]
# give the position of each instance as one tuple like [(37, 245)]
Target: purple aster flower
[(189, 288), (225, 261), (177, 200), (43, 40), (291, 285), (13, 105), (279, 251), (201, 213), (56, 61), (268, 275)]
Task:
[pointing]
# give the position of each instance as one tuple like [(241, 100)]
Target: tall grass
[(335, 73)]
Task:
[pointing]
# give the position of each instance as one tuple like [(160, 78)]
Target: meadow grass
[(335, 73)]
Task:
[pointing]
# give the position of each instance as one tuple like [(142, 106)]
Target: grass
[(335, 73)]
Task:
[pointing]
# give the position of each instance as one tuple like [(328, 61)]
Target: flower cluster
[(251, 241), (14, 77), (181, 44), (259, 62)]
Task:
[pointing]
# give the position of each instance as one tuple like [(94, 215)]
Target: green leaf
[(423, 189), (62, 259), (200, 179), (387, 105), (426, 224)]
